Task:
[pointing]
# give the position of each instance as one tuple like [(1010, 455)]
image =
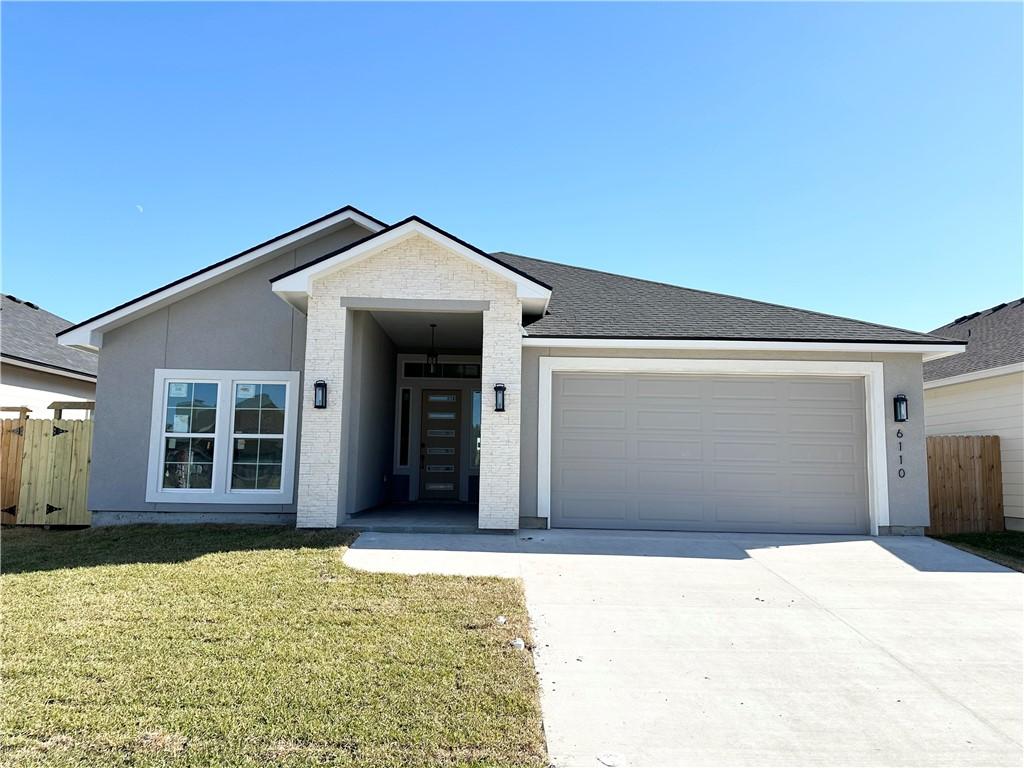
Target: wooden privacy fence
[(45, 468), (965, 484)]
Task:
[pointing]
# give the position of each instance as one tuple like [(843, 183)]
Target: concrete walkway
[(670, 649)]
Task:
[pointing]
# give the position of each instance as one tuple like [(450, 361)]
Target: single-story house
[(36, 371), (981, 392), (349, 364)]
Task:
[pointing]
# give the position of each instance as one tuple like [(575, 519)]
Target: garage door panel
[(727, 482), (746, 421), (593, 508), (653, 481), (669, 450), (594, 448), (593, 386), (740, 388), (594, 418), (733, 450), (838, 392), (741, 453), (593, 479), (822, 422), (670, 511), (668, 419), (671, 387), (825, 453)]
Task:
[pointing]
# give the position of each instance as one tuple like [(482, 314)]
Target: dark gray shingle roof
[(995, 337), (588, 303), (28, 333)]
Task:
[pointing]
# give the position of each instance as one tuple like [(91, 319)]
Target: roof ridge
[(729, 296)]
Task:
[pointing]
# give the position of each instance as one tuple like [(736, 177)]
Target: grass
[(188, 646), (1004, 547)]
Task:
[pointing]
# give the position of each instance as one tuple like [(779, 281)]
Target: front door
[(440, 438)]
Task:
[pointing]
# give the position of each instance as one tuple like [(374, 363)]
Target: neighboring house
[(981, 392), (35, 370), (599, 401)]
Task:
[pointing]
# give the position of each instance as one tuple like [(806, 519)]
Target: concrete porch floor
[(416, 517)]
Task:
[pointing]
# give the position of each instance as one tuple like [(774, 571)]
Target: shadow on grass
[(24, 550)]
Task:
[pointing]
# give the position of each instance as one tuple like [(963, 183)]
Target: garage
[(703, 452)]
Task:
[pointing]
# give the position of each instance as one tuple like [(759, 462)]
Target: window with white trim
[(223, 437)]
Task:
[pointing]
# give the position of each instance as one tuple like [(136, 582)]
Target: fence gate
[(11, 438), (54, 471), (965, 484)]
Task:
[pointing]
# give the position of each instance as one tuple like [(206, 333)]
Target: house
[(349, 364), (36, 371), (981, 392)]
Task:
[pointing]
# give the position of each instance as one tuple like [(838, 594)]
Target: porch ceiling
[(411, 330)]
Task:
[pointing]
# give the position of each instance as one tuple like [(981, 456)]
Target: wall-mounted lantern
[(499, 397), (900, 408), (320, 394)]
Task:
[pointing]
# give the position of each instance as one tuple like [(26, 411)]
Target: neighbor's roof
[(28, 335), (995, 337), (591, 304)]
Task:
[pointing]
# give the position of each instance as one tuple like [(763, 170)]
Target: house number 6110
[(901, 472)]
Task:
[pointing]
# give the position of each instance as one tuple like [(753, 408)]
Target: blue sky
[(863, 159)]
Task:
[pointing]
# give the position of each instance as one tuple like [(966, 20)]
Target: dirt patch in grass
[(198, 646)]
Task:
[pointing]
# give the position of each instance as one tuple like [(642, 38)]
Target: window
[(189, 419), (405, 414), (258, 435), (413, 370), (475, 431), (223, 436)]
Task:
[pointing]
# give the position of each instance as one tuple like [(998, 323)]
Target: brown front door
[(440, 438)]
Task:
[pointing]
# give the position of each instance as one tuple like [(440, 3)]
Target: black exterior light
[(499, 397), (432, 353), (900, 408), (320, 394)]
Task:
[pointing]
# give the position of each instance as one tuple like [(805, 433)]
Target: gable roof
[(295, 285), (88, 334), (586, 303), (29, 337), (994, 336)]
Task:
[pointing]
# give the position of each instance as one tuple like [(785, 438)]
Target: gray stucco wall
[(908, 496), (237, 324), (370, 385)]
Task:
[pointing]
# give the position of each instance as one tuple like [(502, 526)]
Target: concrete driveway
[(669, 649)]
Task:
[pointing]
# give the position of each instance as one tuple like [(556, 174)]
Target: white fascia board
[(929, 352), (988, 373), (90, 336), (53, 371), (534, 297)]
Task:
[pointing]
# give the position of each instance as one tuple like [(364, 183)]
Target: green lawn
[(173, 646), (1005, 547)]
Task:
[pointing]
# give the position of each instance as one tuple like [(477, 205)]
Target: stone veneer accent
[(415, 268)]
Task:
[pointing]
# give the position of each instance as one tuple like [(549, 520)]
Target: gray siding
[(370, 384), (908, 496), (235, 324)]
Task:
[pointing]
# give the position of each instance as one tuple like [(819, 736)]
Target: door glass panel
[(441, 398), (440, 416), (475, 430), (440, 433)]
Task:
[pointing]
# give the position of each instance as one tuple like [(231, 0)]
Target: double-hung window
[(223, 437)]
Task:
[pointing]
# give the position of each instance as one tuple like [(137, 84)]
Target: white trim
[(298, 286), (90, 335), (48, 369), (220, 491), (874, 405), (929, 351), (988, 373)]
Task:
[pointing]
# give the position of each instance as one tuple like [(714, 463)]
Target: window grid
[(258, 417), (193, 451)]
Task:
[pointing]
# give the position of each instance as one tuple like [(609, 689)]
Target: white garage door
[(709, 453)]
